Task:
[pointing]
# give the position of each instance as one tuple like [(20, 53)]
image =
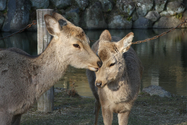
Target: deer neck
[(119, 82), (50, 68)]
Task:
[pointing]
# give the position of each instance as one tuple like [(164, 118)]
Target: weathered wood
[(45, 103)]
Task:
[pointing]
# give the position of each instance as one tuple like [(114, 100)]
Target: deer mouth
[(93, 69), (96, 67)]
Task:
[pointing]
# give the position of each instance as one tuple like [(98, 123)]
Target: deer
[(24, 78), (116, 84)]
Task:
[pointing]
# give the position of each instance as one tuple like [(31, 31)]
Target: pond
[(164, 59)]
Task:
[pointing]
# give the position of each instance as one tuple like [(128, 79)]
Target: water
[(164, 59)]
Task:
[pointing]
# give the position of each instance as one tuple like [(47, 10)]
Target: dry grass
[(79, 111)]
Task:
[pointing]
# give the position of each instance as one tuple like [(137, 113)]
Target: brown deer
[(116, 84), (24, 78)]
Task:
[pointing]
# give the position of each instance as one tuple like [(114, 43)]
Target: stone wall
[(97, 14)]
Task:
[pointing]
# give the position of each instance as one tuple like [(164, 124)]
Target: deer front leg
[(5, 118), (123, 118), (16, 120), (96, 110), (107, 116)]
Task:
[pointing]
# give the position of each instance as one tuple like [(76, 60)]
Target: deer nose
[(99, 63), (98, 84)]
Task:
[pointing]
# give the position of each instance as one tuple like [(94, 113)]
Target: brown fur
[(25, 78), (118, 79), (106, 36), (70, 30)]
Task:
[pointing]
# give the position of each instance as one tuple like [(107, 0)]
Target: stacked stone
[(97, 14)]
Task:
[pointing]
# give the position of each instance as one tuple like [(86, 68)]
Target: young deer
[(24, 78), (116, 84)]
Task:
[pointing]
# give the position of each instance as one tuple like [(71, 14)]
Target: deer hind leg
[(16, 120), (96, 110), (107, 116), (123, 118)]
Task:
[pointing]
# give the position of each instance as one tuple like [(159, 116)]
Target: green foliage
[(114, 1), (128, 10), (122, 16), (129, 18), (68, 17), (179, 16), (4, 11), (108, 10)]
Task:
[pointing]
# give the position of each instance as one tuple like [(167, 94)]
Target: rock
[(82, 4), (184, 16), (153, 16), (185, 3), (164, 13), (40, 3), (160, 5), (142, 22), (74, 9), (1, 21), (118, 22), (61, 4), (17, 16), (73, 17), (134, 16), (143, 6), (167, 22), (106, 5), (156, 90), (3, 4), (61, 11), (93, 17), (33, 28), (126, 6), (173, 8)]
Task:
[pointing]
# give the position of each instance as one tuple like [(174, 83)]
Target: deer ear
[(105, 36), (125, 43), (62, 23), (58, 16), (52, 25)]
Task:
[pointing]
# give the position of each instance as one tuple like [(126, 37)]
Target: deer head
[(71, 42), (111, 55)]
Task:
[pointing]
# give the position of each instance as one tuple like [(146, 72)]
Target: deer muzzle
[(99, 84)]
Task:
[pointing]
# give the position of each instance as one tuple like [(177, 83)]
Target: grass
[(147, 110)]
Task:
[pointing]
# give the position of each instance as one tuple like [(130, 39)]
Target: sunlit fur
[(120, 77), (24, 78)]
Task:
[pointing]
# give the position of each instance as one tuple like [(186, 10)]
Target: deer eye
[(112, 64), (76, 46)]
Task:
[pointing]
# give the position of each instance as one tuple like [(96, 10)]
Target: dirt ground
[(147, 110)]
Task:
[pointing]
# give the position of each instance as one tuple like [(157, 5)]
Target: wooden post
[(45, 103)]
